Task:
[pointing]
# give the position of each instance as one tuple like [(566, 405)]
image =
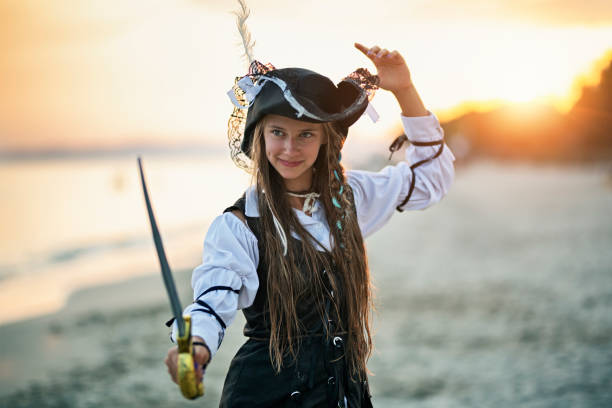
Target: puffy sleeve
[(225, 281), (378, 194)]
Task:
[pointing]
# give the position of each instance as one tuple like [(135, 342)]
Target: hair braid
[(338, 189), (350, 249)]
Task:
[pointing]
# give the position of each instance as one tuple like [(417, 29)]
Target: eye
[(276, 132), (307, 135)]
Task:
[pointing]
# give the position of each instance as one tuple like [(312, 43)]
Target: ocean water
[(71, 223), (499, 296)]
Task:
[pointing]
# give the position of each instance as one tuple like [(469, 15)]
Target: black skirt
[(318, 378)]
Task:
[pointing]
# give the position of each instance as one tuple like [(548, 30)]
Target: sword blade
[(175, 303)]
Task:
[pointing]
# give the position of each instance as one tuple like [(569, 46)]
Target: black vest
[(257, 315), (319, 377)]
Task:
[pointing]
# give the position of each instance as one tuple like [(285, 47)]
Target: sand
[(499, 296)]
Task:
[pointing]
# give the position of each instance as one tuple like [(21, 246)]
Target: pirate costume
[(233, 272)]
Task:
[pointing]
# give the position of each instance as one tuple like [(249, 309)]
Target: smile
[(290, 163)]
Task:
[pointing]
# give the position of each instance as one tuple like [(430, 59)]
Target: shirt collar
[(251, 208)]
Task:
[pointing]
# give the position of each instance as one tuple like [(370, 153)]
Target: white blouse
[(230, 256)]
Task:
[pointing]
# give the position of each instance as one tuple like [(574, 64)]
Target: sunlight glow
[(99, 76)]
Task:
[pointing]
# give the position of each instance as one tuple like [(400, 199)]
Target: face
[(292, 147)]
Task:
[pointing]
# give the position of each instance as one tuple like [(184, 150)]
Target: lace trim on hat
[(237, 120), (369, 83), (365, 80)]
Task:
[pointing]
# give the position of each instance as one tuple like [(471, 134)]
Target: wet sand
[(499, 296)]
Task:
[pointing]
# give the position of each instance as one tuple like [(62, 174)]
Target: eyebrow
[(301, 130)]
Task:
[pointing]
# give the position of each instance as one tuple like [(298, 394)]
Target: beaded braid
[(353, 271), (338, 191)]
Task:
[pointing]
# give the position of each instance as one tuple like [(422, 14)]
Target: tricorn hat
[(296, 93)]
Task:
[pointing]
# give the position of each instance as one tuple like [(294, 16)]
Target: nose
[(291, 145)]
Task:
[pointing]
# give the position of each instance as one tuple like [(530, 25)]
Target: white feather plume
[(247, 41)]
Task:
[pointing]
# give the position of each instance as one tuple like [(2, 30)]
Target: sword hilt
[(190, 387)]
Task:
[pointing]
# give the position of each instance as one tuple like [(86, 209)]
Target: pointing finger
[(361, 48), (371, 53), (365, 50)]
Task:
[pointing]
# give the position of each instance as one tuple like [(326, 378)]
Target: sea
[(72, 222)]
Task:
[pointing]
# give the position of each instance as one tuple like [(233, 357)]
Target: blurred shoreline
[(69, 224), (500, 295), (55, 266), (197, 150)]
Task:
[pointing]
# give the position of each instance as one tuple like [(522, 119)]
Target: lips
[(290, 163)]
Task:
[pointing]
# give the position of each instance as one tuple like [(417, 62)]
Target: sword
[(190, 387)]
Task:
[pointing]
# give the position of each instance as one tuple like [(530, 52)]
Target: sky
[(108, 74)]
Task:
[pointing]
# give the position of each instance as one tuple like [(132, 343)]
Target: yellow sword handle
[(188, 383)]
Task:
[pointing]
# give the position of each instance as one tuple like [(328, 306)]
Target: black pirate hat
[(296, 93)]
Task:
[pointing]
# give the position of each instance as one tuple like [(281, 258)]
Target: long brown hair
[(287, 283)]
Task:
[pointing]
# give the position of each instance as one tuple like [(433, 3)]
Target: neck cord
[(309, 203)]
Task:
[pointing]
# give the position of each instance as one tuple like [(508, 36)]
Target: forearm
[(410, 102)]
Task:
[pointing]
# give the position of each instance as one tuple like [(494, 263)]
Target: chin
[(291, 174)]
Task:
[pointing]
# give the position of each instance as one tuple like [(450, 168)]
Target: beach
[(499, 296)]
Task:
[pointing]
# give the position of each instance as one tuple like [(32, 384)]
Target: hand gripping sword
[(190, 387)]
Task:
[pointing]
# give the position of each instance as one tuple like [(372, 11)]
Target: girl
[(290, 252)]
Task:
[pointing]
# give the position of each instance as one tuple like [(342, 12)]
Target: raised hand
[(392, 69), (394, 76)]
